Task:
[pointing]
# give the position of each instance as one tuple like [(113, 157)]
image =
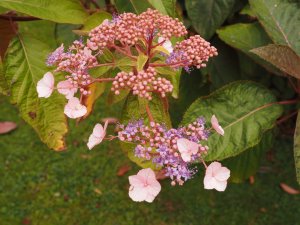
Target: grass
[(39, 186)]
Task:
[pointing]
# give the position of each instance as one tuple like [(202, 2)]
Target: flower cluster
[(194, 51), (160, 144), (128, 28), (142, 84), (76, 63)]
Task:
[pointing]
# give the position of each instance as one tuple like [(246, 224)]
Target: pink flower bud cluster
[(165, 26), (194, 51), (122, 28), (142, 84), (158, 143), (75, 62), (128, 28)]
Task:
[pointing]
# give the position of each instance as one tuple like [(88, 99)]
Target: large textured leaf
[(24, 67), (297, 147), (283, 57), (136, 6), (134, 108), (3, 84), (208, 16), (64, 34), (247, 163), (41, 30), (167, 7), (281, 20), (244, 109), (246, 37), (66, 11), (224, 68)]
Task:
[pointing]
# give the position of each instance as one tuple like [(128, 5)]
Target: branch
[(18, 18)]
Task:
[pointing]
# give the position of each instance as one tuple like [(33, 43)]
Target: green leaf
[(224, 68), (247, 163), (297, 147), (244, 109), (208, 16), (173, 76), (134, 109), (141, 61), (93, 21), (167, 7), (136, 6), (3, 10), (64, 34), (281, 20), (246, 37), (24, 67), (41, 30), (282, 57), (170, 7), (248, 11), (99, 71), (125, 64), (3, 83), (66, 11), (113, 99)]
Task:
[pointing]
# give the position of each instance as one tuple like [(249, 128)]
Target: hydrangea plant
[(149, 43)]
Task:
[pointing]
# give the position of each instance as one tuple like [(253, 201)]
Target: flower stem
[(149, 113)]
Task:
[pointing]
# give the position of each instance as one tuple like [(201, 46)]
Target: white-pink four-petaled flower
[(144, 186), (74, 109), (66, 88), (216, 177), (45, 86), (215, 124), (187, 148), (98, 135)]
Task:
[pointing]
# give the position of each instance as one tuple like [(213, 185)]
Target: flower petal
[(222, 174), (137, 194), (209, 182), (136, 181), (45, 86), (147, 174), (66, 88), (73, 109), (220, 185), (183, 145), (216, 126), (93, 141)]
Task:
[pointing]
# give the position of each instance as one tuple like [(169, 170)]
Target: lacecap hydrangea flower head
[(147, 43)]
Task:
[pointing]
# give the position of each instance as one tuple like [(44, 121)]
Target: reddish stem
[(177, 64), (284, 118), (103, 79), (18, 18), (149, 113), (104, 64)]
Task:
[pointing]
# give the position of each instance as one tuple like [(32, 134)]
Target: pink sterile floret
[(97, 136), (216, 177), (45, 86), (144, 186)]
